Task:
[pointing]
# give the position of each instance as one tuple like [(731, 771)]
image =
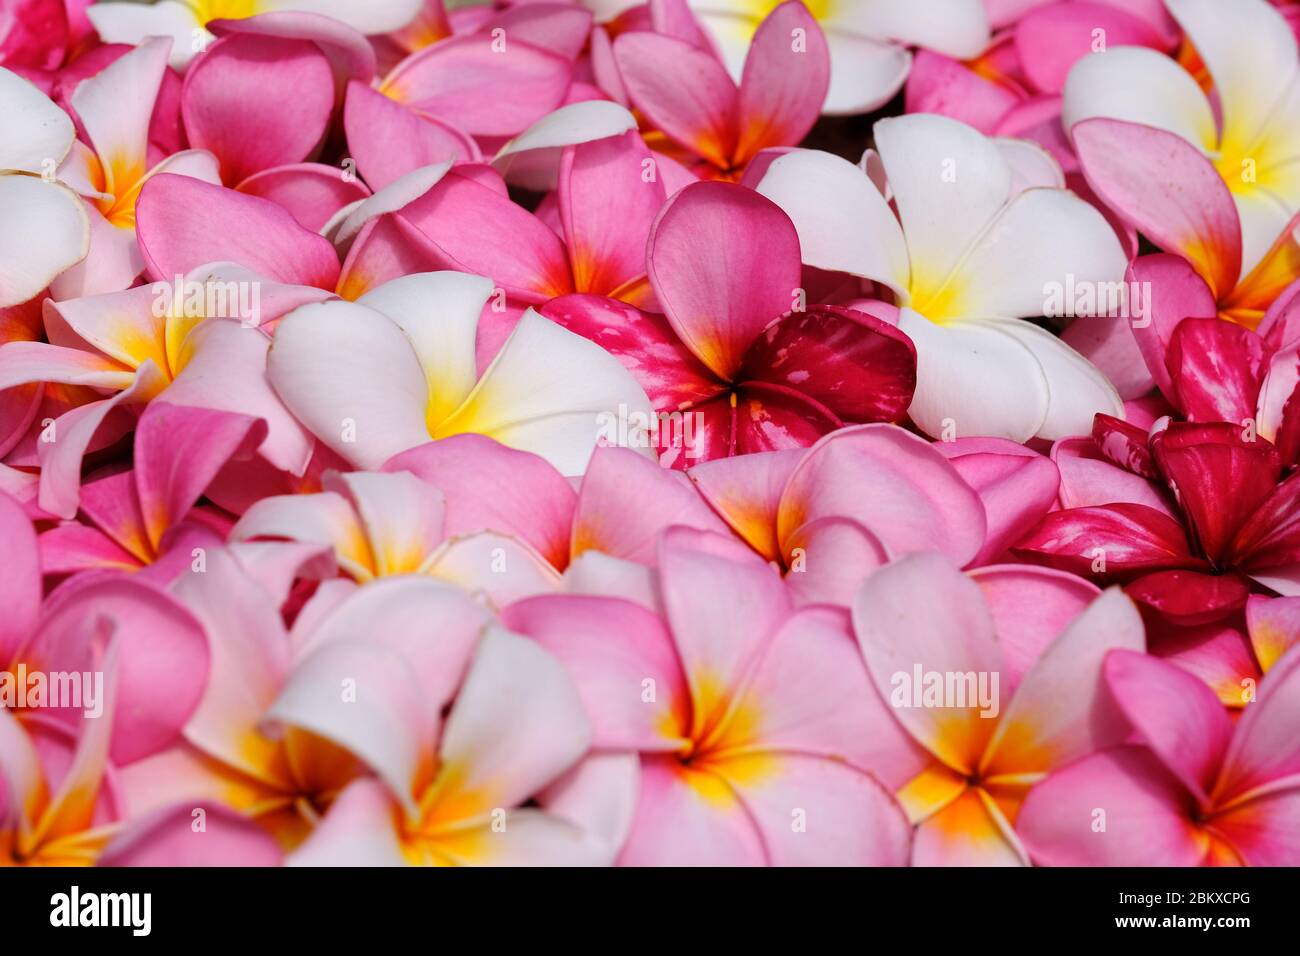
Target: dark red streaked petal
[(673, 378), (773, 418), (1270, 538), (1218, 476), (1190, 598), (1217, 368), (1124, 444), (1132, 539), (862, 369)]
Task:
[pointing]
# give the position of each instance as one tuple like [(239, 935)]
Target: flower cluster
[(500, 435)]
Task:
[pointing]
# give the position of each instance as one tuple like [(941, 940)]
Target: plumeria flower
[(1249, 135), (149, 631), (453, 789), (381, 525), (970, 254), (234, 752), (738, 354), (727, 762), (398, 367), (867, 39), (114, 107), (799, 510), (186, 21), (46, 230), (1195, 565), (686, 93), (1046, 708), (150, 341), (1192, 789)]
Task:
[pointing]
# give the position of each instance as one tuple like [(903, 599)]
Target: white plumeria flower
[(1251, 54), (398, 368), (44, 229), (978, 244), (185, 21), (868, 39)]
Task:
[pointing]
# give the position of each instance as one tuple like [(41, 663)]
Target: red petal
[(1130, 538), (1189, 598), (1124, 444), (1217, 368)]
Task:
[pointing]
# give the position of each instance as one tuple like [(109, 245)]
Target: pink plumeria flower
[(1039, 660), (702, 723), (739, 355), (1192, 789), (186, 22), (157, 340), (801, 510), (979, 242), (381, 525), (1251, 55), (115, 107), (447, 790), (399, 366), (236, 752), (686, 93), (46, 230), (1274, 625), (151, 632)]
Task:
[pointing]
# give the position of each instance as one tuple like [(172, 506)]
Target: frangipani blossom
[(1047, 705), (968, 257), (186, 21), (45, 229), (1193, 564), (235, 753), (399, 366), (150, 341), (380, 525), (1192, 789), (1249, 134), (738, 356), (451, 790), (802, 512), (727, 762), (867, 40), (686, 93), (114, 107)]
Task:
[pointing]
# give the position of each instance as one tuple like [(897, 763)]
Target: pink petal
[(313, 194), (20, 588), (1274, 625), (1265, 830), (603, 520), (1087, 479), (1165, 187), (683, 91), (169, 837), (469, 83), (388, 140), (1142, 807), (488, 486), (919, 500), (782, 88), (1266, 746), (257, 102), (1176, 292), (746, 491), (633, 688), (1174, 714), (1017, 487), (349, 53), (1051, 39), (938, 84), (183, 223)]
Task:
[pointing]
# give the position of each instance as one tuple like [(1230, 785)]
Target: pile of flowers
[(500, 434)]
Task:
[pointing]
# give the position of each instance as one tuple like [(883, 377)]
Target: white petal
[(351, 376), (131, 23), (44, 229), (843, 221), (532, 158), (955, 28), (439, 312), (371, 17), (1031, 165), (1139, 85), (974, 379), (550, 392), (949, 181), (36, 132), (1076, 389)]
